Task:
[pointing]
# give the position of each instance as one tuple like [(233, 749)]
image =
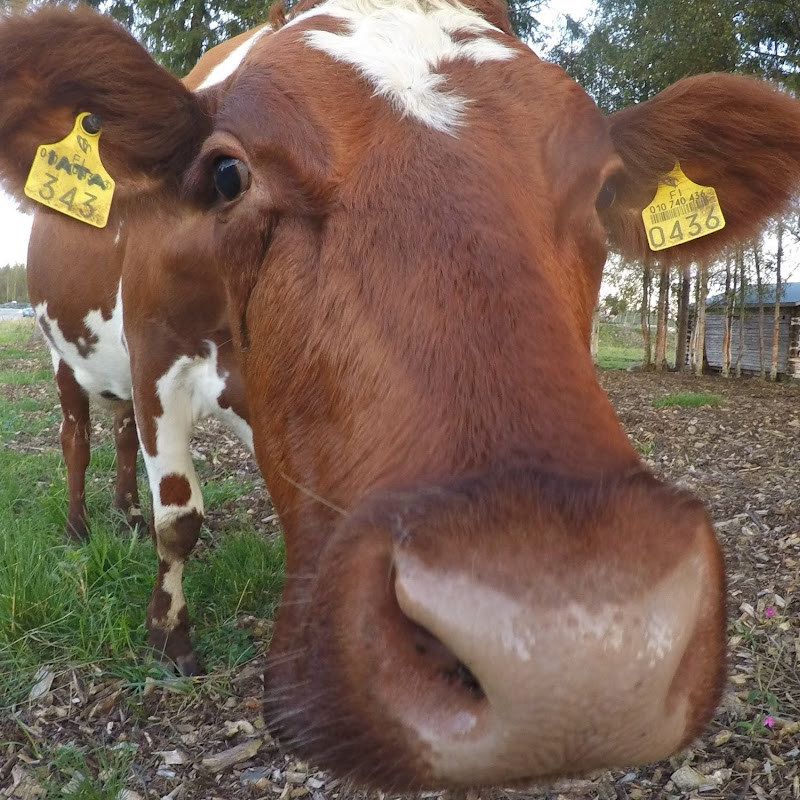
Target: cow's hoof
[(188, 665), (175, 649), (137, 522), (77, 531)]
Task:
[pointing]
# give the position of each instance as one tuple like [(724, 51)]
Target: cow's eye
[(606, 195), (231, 177)]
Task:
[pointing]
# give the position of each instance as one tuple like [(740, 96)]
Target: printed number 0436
[(658, 237)]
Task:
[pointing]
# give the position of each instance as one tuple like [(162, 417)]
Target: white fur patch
[(229, 65), (401, 47), (172, 584), (105, 368), (188, 391)]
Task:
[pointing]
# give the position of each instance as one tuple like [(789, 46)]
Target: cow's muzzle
[(504, 629)]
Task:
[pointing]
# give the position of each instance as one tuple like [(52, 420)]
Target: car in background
[(15, 310)]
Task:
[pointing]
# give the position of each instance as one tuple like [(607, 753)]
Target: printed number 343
[(48, 191)]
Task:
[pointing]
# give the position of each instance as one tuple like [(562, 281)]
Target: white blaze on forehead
[(231, 63), (105, 367), (400, 47)]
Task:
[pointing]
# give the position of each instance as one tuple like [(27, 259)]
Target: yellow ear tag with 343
[(681, 211), (69, 177)]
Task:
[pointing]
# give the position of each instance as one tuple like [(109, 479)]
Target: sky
[(15, 227)]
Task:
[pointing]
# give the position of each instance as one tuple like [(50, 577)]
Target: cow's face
[(480, 575), (408, 213)]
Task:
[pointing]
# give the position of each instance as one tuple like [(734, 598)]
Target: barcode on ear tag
[(681, 211)]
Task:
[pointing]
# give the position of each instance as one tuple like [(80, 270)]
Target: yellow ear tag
[(69, 177), (681, 211)]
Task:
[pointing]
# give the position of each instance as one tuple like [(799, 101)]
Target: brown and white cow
[(407, 213), (75, 275)]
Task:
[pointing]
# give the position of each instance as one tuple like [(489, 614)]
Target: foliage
[(769, 34), (635, 48), (12, 283), (632, 49), (523, 19)]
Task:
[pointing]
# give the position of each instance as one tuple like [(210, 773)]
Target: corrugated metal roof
[(790, 296)]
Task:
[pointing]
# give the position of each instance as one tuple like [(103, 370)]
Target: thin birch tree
[(776, 318), (647, 359), (683, 319), (742, 297), (725, 369), (701, 297), (662, 316), (760, 289)]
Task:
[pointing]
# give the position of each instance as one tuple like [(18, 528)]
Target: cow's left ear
[(738, 135), (56, 62)]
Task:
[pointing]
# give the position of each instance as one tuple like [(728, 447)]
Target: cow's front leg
[(126, 441), (167, 615), (75, 434), (165, 415), (175, 526)]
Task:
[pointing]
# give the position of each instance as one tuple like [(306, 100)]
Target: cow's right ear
[(56, 62)]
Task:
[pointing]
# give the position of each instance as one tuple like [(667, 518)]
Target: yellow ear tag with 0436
[(69, 177), (681, 211)]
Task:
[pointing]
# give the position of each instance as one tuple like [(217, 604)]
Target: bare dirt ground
[(742, 457)]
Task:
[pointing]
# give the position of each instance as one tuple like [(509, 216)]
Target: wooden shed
[(788, 333)]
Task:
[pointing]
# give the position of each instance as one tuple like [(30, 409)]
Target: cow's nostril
[(438, 658), (468, 681)]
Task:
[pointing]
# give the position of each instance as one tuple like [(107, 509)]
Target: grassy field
[(81, 607), (622, 347)]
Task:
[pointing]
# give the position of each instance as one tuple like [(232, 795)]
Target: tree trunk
[(776, 319), (700, 319), (762, 373), (197, 27), (725, 370), (742, 287), (683, 320), (595, 340), (662, 317), (645, 317)]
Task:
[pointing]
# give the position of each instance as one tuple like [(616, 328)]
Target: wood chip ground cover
[(85, 734)]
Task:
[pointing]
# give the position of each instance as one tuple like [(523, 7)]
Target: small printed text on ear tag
[(681, 211), (69, 177)]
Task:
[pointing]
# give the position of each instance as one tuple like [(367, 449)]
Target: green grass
[(77, 774), (15, 332), (25, 378), (615, 357), (688, 399), (622, 347), (82, 606)]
